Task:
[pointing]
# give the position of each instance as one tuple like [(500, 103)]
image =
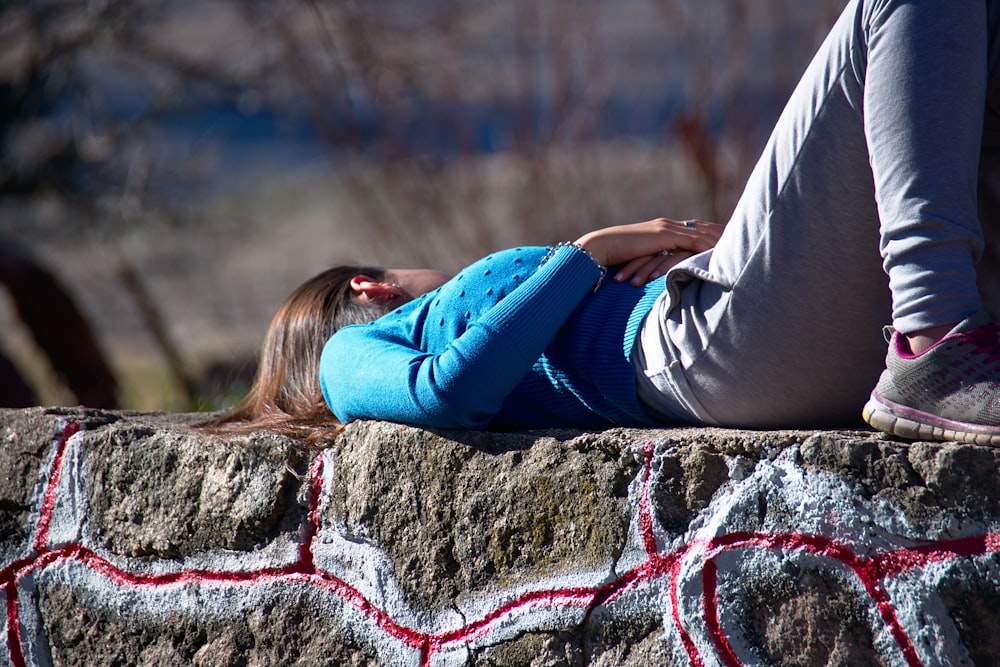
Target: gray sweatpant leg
[(780, 325)]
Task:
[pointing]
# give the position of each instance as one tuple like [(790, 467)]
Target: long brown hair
[(285, 395)]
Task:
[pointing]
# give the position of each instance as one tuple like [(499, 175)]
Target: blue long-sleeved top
[(504, 344)]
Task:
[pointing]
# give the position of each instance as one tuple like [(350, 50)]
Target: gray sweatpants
[(883, 163)]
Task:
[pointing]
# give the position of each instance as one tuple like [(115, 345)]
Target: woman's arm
[(389, 370)]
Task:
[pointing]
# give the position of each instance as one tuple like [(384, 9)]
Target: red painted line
[(52, 487), (351, 595), (816, 544), (11, 570), (694, 656), (895, 562), (14, 649), (709, 575), (873, 584), (646, 504), (580, 597), (654, 568)]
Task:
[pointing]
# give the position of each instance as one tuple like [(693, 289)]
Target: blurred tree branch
[(454, 126)]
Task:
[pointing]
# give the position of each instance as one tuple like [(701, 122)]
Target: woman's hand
[(636, 249)]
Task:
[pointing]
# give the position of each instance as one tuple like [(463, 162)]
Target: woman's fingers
[(703, 234), (643, 270), (622, 244), (682, 239)]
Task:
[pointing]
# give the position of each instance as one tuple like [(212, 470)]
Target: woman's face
[(415, 282)]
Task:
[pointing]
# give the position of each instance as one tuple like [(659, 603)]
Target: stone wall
[(131, 539)]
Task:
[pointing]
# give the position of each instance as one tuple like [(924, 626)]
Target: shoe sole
[(913, 424)]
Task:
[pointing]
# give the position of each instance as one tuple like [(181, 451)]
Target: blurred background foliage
[(171, 169)]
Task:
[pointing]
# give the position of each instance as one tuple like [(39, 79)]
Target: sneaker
[(950, 392)]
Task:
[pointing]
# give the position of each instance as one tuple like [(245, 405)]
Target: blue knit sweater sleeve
[(420, 367)]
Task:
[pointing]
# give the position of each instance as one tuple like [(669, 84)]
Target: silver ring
[(665, 253), (690, 224)]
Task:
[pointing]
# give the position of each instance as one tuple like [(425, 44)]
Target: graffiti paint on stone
[(773, 522)]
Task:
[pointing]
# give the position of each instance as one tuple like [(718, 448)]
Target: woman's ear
[(370, 290)]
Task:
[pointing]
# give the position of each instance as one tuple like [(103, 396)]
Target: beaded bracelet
[(567, 244)]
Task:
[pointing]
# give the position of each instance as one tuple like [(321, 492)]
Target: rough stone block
[(136, 539)]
